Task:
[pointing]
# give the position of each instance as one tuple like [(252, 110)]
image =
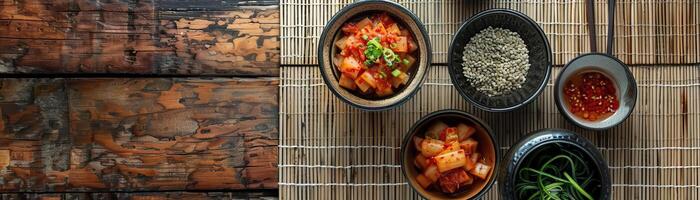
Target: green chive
[(405, 61), (389, 56), (374, 42), (551, 175), (396, 73), (388, 52), (374, 50)]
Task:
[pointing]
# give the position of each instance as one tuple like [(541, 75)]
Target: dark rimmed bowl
[(616, 70), (520, 151), (332, 31), (540, 59), (484, 135)]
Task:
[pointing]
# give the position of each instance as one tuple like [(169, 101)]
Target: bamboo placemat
[(646, 31), (329, 150)]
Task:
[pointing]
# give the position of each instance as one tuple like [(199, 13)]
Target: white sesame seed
[(495, 61)]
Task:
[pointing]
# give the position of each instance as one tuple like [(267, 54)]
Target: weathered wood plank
[(165, 134), (211, 4), (139, 37), (265, 195), (244, 42), (141, 134), (33, 132)]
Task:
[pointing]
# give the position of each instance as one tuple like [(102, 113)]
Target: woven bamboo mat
[(646, 31), (329, 150)]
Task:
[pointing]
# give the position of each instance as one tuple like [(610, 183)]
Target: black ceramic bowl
[(540, 59), (619, 74), (332, 32), (487, 145), (536, 140)]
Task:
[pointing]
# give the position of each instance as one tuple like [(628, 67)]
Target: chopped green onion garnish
[(374, 42), (388, 53), (382, 74), (389, 56), (393, 45), (405, 61), (374, 50), (396, 73), (365, 37)]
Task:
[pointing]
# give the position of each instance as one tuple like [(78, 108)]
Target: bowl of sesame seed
[(499, 60)]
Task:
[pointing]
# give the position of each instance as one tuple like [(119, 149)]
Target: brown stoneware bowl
[(487, 145), (332, 32)]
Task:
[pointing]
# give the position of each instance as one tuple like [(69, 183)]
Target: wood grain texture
[(208, 5), (229, 38), (144, 196), (33, 132), (165, 134), (141, 134)]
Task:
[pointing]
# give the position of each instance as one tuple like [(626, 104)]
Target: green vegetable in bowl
[(396, 72), (390, 57), (374, 50), (565, 175)]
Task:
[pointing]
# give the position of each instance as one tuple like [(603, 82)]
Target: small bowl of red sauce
[(595, 91)]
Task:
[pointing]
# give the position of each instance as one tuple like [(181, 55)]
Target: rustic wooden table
[(129, 99)]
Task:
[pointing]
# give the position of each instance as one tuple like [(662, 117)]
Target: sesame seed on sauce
[(591, 96)]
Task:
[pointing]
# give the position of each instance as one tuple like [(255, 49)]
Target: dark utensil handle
[(611, 26), (590, 12)]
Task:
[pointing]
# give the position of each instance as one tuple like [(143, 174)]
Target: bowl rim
[(515, 13), (538, 138), (421, 28), (427, 118), (559, 102)]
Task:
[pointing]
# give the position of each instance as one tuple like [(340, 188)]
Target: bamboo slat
[(647, 31), (329, 150)]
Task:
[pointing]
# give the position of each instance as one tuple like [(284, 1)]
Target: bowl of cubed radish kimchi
[(374, 54), (450, 154)]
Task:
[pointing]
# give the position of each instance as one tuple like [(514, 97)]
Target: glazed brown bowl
[(332, 32), (487, 145)]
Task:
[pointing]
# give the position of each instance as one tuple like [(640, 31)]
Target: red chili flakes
[(591, 96)]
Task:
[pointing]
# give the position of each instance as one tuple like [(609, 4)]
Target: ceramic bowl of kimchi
[(450, 154), (374, 54)]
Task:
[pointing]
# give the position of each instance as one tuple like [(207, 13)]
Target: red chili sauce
[(591, 95)]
